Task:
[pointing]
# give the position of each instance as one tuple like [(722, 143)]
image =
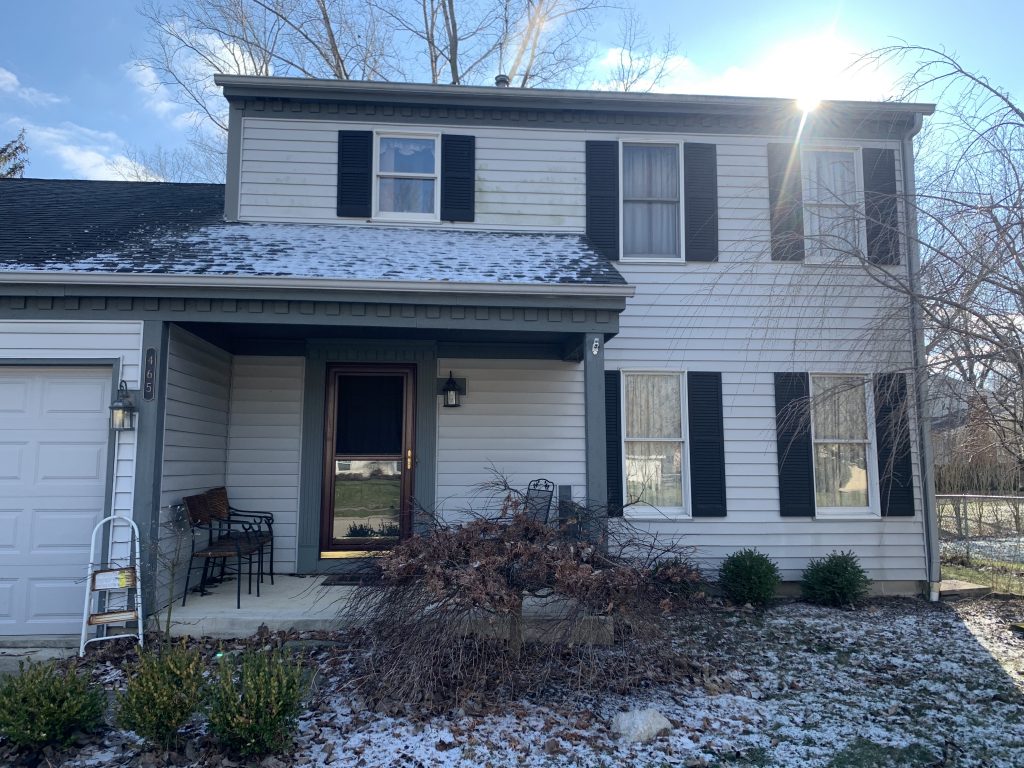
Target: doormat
[(351, 580)]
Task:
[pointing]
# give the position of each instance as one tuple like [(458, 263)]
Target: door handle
[(408, 459)]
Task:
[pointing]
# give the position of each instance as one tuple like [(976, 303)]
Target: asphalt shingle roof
[(178, 229)]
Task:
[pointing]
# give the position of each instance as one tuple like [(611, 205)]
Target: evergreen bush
[(748, 576), (255, 703), (836, 580), (46, 704), (163, 692)]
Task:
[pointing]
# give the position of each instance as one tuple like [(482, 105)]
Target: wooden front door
[(368, 458)]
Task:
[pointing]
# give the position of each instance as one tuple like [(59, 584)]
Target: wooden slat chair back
[(538, 499), (262, 522), (209, 544)]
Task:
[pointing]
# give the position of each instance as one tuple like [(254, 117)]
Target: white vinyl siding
[(264, 437), (526, 179), (523, 418), (195, 444)]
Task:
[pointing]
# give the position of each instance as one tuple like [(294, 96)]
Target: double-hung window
[(407, 174), (833, 203), (650, 201), (843, 453), (653, 441)]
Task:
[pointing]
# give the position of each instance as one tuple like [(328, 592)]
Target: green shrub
[(45, 704), (163, 692), (836, 580), (254, 703), (747, 576)]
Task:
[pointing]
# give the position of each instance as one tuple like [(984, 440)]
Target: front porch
[(300, 603)]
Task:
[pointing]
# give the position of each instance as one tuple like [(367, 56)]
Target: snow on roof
[(170, 229)]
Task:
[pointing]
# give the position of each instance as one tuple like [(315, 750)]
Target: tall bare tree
[(14, 157)]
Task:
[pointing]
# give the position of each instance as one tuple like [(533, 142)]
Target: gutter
[(926, 468), (316, 283)]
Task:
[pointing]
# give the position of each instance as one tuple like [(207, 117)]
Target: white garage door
[(53, 469)]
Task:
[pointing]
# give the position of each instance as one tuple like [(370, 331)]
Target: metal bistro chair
[(262, 522), (538, 500), (224, 539)]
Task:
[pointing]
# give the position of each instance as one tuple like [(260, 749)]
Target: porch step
[(954, 589)]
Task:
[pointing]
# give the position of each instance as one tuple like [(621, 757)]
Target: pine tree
[(14, 157)]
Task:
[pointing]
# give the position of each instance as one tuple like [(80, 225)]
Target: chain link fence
[(981, 528)]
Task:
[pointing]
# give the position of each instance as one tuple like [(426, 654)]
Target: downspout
[(931, 522)]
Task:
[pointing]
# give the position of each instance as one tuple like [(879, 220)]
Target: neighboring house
[(631, 291)]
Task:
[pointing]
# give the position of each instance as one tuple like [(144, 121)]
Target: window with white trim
[(841, 429), (653, 436), (651, 220), (833, 193), (407, 170)]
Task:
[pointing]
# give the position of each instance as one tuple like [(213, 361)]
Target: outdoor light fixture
[(122, 410), (451, 392)]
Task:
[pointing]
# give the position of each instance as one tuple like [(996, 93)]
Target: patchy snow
[(342, 252), (905, 680)]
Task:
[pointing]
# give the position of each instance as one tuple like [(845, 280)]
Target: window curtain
[(650, 194)]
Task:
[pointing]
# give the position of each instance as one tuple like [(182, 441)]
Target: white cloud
[(83, 152), (158, 98), (817, 67), (9, 83)]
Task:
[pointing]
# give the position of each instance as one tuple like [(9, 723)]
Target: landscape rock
[(640, 725)]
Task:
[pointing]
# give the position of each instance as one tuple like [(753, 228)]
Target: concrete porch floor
[(292, 602)]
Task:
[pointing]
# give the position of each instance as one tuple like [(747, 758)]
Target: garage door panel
[(54, 435), (8, 595), (63, 533), (60, 462), (9, 519), (13, 396), (75, 395), (55, 599), (13, 460)]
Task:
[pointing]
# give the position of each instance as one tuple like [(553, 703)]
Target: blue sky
[(66, 74)]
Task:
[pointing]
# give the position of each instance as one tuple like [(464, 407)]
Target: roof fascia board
[(315, 288), (302, 89)]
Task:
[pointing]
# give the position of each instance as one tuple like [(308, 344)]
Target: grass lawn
[(1001, 575)]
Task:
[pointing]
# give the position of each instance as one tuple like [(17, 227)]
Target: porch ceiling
[(244, 338)]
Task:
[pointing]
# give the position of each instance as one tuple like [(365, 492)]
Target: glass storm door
[(368, 458)]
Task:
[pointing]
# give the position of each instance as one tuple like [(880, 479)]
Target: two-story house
[(632, 294)]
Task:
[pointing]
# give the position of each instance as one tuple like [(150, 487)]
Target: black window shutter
[(892, 429), (355, 174), (602, 164), (793, 444), (700, 200), (785, 199), (707, 444), (613, 440), (458, 177), (880, 205)]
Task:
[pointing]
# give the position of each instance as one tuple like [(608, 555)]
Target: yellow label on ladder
[(117, 578)]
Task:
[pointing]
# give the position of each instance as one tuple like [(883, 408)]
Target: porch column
[(149, 443), (594, 416)]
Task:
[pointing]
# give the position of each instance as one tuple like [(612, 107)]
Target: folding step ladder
[(113, 592)]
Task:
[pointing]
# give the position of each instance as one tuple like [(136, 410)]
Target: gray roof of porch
[(66, 228)]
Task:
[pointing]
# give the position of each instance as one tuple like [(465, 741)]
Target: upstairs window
[(833, 209), (650, 201), (840, 431), (407, 171)]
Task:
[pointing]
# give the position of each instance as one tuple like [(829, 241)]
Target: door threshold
[(341, 554)]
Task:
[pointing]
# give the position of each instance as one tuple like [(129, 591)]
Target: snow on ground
[(898, 682)]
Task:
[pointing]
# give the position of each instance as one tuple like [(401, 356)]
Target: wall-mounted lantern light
[(451, 392), (122, 410)]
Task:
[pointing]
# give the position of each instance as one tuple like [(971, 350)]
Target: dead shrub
[(503, 606)]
